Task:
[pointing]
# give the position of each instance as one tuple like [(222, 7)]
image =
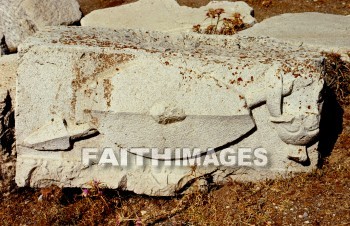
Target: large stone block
[(20, 19), (327, 32), (163, 15), (122, 89)]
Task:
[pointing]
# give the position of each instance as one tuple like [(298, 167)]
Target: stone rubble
[(20, 19)]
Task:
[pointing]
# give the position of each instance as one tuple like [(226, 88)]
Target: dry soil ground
[(318, 198)]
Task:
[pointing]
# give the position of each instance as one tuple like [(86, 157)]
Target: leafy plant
[(221, 26), (95, 189)]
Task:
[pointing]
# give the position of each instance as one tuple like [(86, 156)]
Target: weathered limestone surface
[(20, 19), (8, 66), (327, 32), (162, 15), (97, 88)]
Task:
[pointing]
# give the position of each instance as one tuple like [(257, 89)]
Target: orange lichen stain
[(84, 75), (88, 92), (296, 75), (93, 120), (239, 80), (108, 88)]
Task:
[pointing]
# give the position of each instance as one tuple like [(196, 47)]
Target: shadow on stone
[(7, 137), (3, 47), (228, 145), (7, 149), (330, 125)]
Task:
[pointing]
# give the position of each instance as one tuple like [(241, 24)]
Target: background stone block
[(20, 19)]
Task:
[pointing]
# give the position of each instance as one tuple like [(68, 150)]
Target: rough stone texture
[(8, 66), (162, 15), (327, 32), (98, 88), (21, 18)]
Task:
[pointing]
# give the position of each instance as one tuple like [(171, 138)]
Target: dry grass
[(337, 76), (221, 26), (86, 6)]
